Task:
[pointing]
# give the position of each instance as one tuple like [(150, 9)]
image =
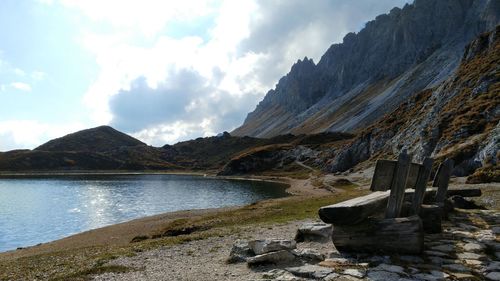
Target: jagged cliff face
[(458, 118), (371, 73)]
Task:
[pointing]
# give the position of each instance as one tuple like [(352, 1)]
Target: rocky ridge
[(372, 72)]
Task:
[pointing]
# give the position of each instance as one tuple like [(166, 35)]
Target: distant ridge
[(98, 139)]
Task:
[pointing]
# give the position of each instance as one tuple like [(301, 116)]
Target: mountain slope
[(459, 119), (374, 71)]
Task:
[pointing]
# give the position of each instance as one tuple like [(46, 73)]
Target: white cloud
[(19, 72), (249, 46), (28, 134), (38, 75), (21, 86)]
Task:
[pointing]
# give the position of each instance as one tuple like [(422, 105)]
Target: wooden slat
[(354, 210), (442, 180), (398, 186), (421, 185), (382, 177), (415, 170), (384, 173)]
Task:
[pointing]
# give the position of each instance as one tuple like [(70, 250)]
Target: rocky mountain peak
[(371, 72)]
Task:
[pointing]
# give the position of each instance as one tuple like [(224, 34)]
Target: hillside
[(99, 139), (372, 72)]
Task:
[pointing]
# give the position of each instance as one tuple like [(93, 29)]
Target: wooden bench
[(382, 221)]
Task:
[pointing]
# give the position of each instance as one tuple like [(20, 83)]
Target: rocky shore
[(467, 249)]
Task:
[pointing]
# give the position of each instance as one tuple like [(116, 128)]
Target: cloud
[(21, 86), (171, 87)]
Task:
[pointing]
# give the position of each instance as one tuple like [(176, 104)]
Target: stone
[(277, 257), (433, 276), (320, 232), (465, 277), (331, 277), (456, 267), (493, 266), (374, 275), (470, 256), (271, 245), (280, 275), (473, 247), (496, 230), (240, 252), (468, 227), (495, 276), (390, 268), (411, 259), (473, 262), (310, 271), (435, 253), (309, 254), (436, 260), (336, 262), (444, 248), (358, 273)]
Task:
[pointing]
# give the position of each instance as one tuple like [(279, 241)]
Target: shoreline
[(122, 233)]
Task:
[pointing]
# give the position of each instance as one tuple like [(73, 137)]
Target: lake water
[(37, 210)]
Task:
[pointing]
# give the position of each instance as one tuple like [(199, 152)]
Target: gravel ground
[(205, 259)]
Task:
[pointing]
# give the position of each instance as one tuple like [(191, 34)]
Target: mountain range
[(423, 78)]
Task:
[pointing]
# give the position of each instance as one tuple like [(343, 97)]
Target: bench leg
[(395, 235)]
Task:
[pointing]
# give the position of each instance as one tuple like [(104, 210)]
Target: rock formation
[(372, 72)]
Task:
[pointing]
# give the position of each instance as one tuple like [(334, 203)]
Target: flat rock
[(444, 248), (473, 247), (382, 276), (470, 256), (332, 277), (495, 276), (465, 277), (320, 232), (277, 257), (411, 259), (435, 253), (493, 266), (336, 262), (456, 267), (280, 275), (390, 268), (358, 273), (310, 271), (271, 245), (433, 276), (240, 252), (495, 230), (309, 254)]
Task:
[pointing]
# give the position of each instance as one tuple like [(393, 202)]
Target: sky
[(162, 71)]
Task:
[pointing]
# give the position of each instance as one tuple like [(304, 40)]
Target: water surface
[(37, 210)]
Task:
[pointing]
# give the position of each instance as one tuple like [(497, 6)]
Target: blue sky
[(162, 71)]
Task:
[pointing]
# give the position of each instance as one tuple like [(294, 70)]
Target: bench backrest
[(384, 174)]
